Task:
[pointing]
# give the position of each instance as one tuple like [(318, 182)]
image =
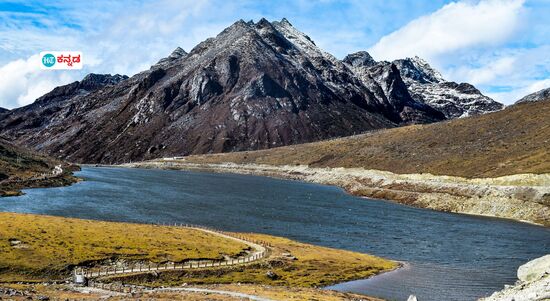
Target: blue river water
[(449, 256)]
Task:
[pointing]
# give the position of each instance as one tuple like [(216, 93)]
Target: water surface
[(450, 256)]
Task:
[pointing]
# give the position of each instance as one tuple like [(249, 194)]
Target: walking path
[(259, 252), (204, 290), (176, 289)]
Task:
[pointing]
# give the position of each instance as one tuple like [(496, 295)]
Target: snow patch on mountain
[(537, 96), (455, 100)]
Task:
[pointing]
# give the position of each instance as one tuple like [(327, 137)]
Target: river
[(449, 256)]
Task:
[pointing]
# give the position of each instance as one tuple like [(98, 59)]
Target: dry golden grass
[(35, 247), (314, 266), (512, 141), (48, 246)]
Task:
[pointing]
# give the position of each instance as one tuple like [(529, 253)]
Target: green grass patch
[(35, 247)]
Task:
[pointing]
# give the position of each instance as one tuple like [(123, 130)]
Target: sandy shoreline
[(524, 198)]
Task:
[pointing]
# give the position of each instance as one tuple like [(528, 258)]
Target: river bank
[(446, 252), (524, 197), (48, 250), (60, 175), (14, 188)]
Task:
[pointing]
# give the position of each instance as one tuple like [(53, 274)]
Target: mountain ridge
[(540, 95), (253, 86), (427, 86)]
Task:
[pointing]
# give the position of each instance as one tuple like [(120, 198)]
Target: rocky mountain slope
[(491, 145), (426, 85), (537, 96), (3, 112), (253, 86)]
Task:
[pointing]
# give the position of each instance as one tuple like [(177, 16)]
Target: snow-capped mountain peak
[(455, 100), (418, 70)]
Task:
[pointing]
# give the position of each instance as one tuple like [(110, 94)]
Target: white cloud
[(537, 86), (486, 73), (455, 26), (128, 41), (510, 97), (508, 74), (23, 81)]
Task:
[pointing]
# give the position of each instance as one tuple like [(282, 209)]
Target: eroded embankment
[(524, 197)]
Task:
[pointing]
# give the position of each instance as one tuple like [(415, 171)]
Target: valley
[(496, 164), (258, 166)]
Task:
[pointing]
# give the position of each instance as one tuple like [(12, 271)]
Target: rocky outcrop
[(175, 55), (533, 283), (537, 96), (534, 269), (395, 96), (253, 86), (359, 59)]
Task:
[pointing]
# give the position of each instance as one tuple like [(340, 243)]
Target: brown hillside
[(511, 141), (21, 168)]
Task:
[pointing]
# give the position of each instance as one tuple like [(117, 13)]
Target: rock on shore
[(533, 283)]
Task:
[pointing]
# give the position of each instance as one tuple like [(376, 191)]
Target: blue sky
[(501, 46)]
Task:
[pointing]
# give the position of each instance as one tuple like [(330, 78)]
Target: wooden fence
[(261, 251)]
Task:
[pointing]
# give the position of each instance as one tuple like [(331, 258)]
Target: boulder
[(534, 269), (271, 275)]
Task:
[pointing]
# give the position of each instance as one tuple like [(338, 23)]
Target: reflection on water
[(450, 256)]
